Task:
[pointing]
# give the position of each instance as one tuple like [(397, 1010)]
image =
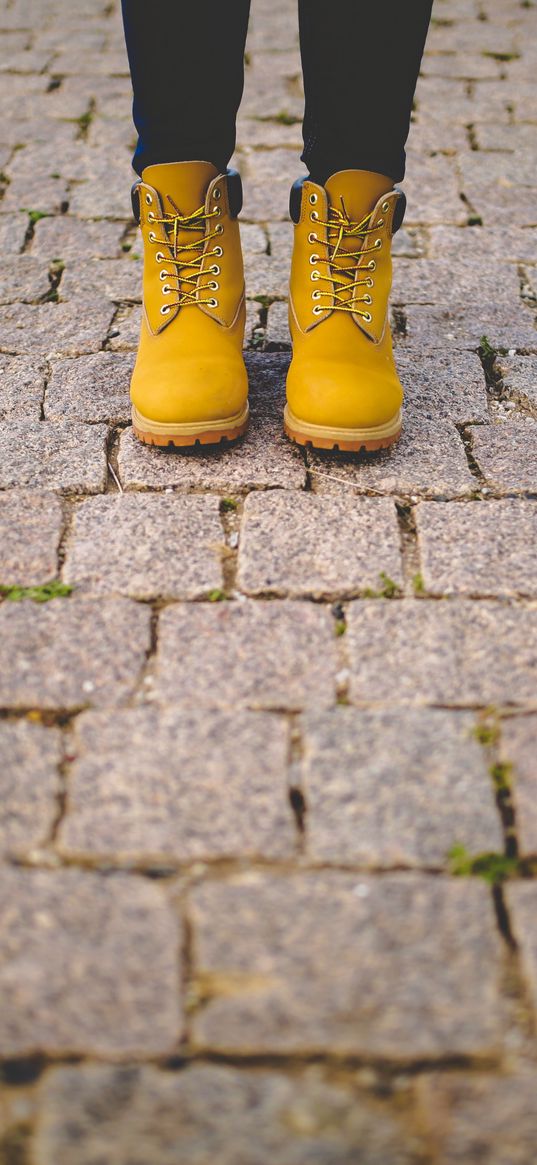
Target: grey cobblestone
[(395, 788), (484, 548), (29, 785), (54, 329), (480, 1117), (439, 384), (90, 388), (302, 545), (519, 378), (23, 279), (518, 751), (521, 902), (63, 936), (146, 547), (75, 653), (253, 654), (392, 967), (449, 328), (22, 385), (170, 784), (66, 456), (31, 524), (505, 455)]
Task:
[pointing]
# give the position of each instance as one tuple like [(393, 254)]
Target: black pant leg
[(187, 68), (361, 63)]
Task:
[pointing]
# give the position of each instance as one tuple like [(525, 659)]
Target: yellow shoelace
[(187, 257), (345, 263)]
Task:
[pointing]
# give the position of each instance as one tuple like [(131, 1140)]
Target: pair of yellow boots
[(190, 383)]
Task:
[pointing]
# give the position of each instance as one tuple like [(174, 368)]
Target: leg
[(360, 71), (187, 71)]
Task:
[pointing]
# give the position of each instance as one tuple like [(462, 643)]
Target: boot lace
[(346, 279), (187, 255)]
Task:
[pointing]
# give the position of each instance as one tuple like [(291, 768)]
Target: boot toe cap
[(338, 395)]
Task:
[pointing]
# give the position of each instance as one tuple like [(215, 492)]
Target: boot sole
[(194, 433), (346, 440)]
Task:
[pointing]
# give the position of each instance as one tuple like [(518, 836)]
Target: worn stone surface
[(29, 784), (22, 385), (64, 456), (31, 524), (452, 281), (90, 388), (428, 459), (255, 654), (119, 280), (395, 788), (482, 548), (302, 545), (23, 279), (67, 238), (511, 244), (264, 458), (394, 967), (519, 379), (506, 455), (438, 385), (211, 1112), (521, 902), (170, 784), (63, 937), (478, 1117), (54, 329), (451, 327), (458, 652), (147, 547), (70, 652), (518, 750)]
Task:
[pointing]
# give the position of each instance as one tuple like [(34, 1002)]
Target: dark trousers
[(360, 62)]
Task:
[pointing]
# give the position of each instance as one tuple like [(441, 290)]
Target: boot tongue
[(360, 190), (185, 182)]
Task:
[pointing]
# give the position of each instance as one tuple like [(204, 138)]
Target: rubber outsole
[(343, 440), (185, 436)]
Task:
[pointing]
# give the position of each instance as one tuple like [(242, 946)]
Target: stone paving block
[(64, 456), (36, 192), (268, 176), (453, 281), (505, 455), (512, 244), (479, 548), (446, 328), (69, 239), (519, 378), (273, 86), (54, 329), (428, 459), (258, 655), (269, 133), (439, 384), (12, 233), (521, 902), (480, 1118), (210, 1112), (277, 332), (106, 170), (264, 459), (175, 785), (90, 388), (146, 547), (117, 279), (64, 936), (519, 750), (23, 279), (518, 140), (432, 191), (458, 652), (447, 100), (22, 384), (466, 66), (395, 788), (431, 137), (498, 190), (71, 653), (395, 967), (31, 525), (270, 28), (29, 785), (301, 545)]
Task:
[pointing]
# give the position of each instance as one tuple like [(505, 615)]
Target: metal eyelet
[(367, 299), (152, 237), (164, 311), (313, 199), (378, 243), (214, 270), (380, 222), (315, 295), (313, 238), (166, 289), (367, 317), (164, 275), (149, 200), (213, 285), (217, 193), (159, 257), (369, 282), (385, 207), (218, 251), (218, 210), (317, 311), (150, 217), (315, 275), (212, 303), (314, 216), (219, 230), (372, 265), (315, 259)]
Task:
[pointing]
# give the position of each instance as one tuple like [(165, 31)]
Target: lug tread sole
[(342, 440), (169, 435)]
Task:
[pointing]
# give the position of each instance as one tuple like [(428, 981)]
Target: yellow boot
[(343, 391), (189, 383)]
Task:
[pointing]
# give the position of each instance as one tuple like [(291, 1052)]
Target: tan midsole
[(372, 433), (189, 429)]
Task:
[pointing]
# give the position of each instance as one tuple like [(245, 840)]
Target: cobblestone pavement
[(281, 700)]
